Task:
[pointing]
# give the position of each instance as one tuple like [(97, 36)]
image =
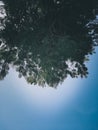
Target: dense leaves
[(47, 40)]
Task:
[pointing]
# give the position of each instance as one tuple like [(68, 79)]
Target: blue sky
[(72, 106)]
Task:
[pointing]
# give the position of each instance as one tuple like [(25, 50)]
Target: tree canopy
[(47, 40)]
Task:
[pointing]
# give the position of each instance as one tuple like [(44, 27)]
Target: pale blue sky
[(23, 107), (72, 106)]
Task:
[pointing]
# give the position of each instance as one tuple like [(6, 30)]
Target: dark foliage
[(47, 40)]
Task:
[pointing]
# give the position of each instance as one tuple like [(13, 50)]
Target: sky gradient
[(72, 106)]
